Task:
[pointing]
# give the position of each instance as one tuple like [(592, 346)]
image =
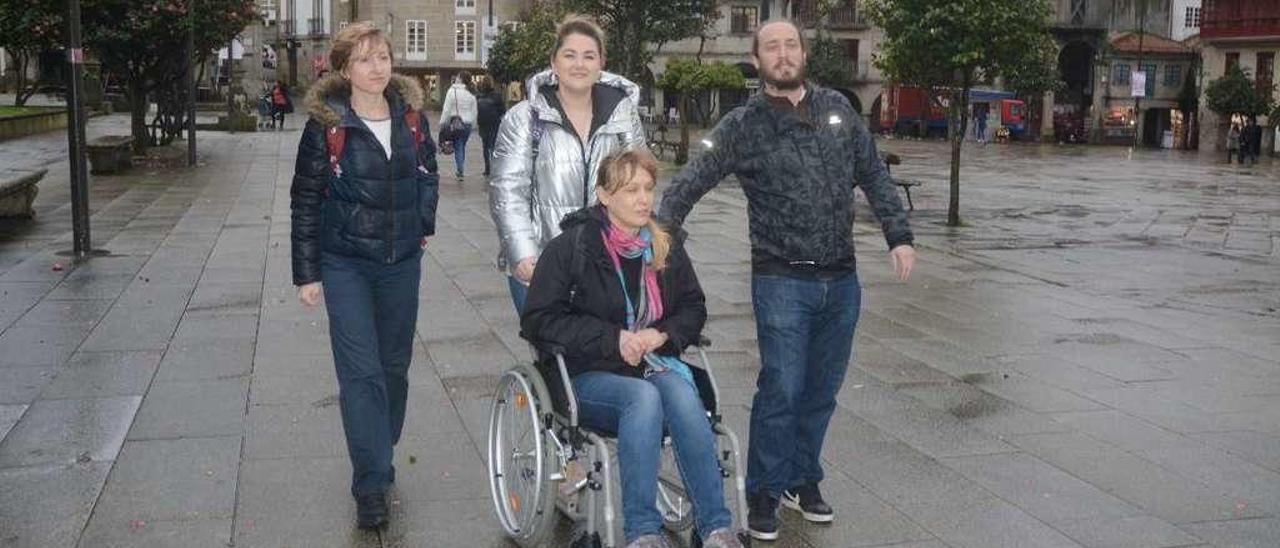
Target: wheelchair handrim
[(505, 462)]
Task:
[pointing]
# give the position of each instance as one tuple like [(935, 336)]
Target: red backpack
[(335, 139)]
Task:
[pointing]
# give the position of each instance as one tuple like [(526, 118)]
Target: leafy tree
[(1235, 93), (637, 29), (947, 47), (688, 78), (26, 29), (521, 52), (828, 64), (143, 42)]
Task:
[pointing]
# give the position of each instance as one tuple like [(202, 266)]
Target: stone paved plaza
[(1092, 360)]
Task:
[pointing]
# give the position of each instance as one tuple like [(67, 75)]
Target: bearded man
[(798, 150)]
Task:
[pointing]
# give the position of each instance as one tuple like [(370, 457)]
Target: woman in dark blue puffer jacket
[(364, 198)]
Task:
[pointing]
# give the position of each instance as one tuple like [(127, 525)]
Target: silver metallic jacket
[(529, 196)]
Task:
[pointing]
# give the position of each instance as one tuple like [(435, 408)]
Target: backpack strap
[(414, 120), (335, 139), (535, 129), (576, 261)]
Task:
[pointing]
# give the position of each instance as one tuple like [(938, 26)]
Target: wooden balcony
[(1240, 19)]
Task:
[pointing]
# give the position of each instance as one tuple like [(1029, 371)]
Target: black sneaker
[(371, 511), (762, 517), (807, 500)]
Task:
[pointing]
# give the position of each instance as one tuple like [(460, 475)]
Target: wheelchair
[(542, 463)]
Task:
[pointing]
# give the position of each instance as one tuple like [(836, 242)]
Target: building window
[(1079, 12), (1233, 61), (464, 7), (1120, 75), (1192, 19), (1172, 76), (464, 40), (1266, 68), (1149, 90), (743, 19), (850, 47), (415, 40)]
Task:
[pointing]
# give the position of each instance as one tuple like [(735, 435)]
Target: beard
[(773, 77)]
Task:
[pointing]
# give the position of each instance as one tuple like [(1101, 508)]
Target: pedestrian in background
[(1233, 143), (281, 104), (1251, 141), (459, 113), (489, 110), (364, 198), (797, 150), (550, 146)]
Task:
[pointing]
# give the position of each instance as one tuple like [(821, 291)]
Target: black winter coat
[(584, 312), (489, 110), (798, 175), (376, 208)]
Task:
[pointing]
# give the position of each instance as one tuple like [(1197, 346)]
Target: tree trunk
[(956, 132), (138, 115)]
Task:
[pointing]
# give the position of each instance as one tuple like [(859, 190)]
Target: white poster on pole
[(1139, 82)]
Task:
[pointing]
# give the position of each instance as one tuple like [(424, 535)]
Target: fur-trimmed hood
[(329, 99)]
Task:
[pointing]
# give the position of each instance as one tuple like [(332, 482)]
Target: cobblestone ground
[(1090, 361)]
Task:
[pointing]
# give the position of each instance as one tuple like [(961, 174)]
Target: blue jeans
[(805, 331), (372, 309), (519, 292), (638, 410), (460, 147)]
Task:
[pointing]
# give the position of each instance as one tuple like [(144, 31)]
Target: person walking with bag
[(363, 201), (550, 145), (459, 113)]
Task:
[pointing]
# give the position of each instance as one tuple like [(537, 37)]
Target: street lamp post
[(75, 135), (231, 101), (191, 83)]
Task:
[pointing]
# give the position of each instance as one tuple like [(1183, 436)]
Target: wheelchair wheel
[(521, 459), (673, 503)]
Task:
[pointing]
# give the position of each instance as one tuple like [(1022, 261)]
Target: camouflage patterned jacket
[(798, 175)]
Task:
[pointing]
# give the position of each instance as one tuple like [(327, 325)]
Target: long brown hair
[(619, 168)]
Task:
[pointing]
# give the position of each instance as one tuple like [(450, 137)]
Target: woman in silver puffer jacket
[(550, 146)]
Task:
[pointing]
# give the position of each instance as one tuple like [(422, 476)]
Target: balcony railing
[(843, 16), (1240, 18)]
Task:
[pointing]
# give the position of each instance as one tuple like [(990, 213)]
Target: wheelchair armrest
[(544, 346)]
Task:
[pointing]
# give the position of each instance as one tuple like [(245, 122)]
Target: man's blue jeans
[(805, 331), (373, 309), (638, 410)]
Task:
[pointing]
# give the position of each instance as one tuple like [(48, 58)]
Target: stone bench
[(17, 191), (110, 154)]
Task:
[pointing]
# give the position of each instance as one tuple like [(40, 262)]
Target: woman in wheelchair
[(618, 293)]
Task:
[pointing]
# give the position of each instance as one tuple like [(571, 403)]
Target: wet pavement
[(1090, 361)]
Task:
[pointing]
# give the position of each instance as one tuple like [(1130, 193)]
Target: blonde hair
[(578, 24), (354, 38), (619, 168)]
